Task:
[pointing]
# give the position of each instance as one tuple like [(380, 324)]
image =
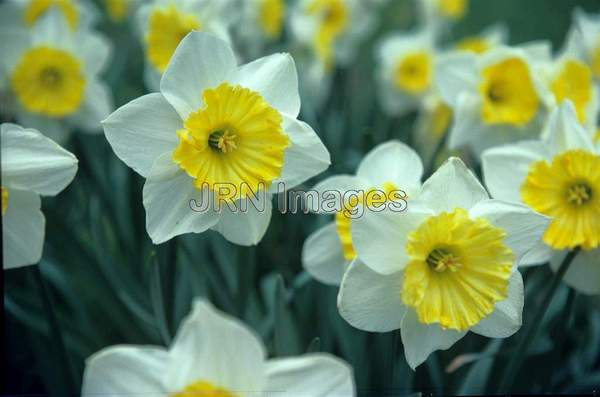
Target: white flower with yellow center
[(333, 29), (391, 166), (216, 355), (497, 97), (26, 13), (568, 77), (32, 165), (262, 22), (441, 14), (53, 75), (445, 266), (558, 176), (589, 27), (216, 123), (405, 70), (491, 37), (164, 23)]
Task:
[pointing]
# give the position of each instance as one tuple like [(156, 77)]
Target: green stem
[(57, 338), (533, 326), (441, 144)]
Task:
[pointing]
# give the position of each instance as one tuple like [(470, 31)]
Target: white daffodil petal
[(31, 161), (306, 157), (200, 61), (248, 222), (142, 130), (314, 375), (95, 50), (452, 186), (420, 340), (565, 132), (379, 238), (213, 346), (96, 107), (322, 255), (12, 44), (22, 229), (52, 29), (168, 194), (466, 128), (392, 162), (125, 370), (583, 273), (524, 228), (455, 73), (506, 167), (327, 191), (506, 319), (369, 300), (539, 255), (275, 78)]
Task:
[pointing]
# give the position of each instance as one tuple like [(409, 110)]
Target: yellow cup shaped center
[(333, 17), (271, 16), (413, 72), (574, 81), (203, 388), (36, 8)]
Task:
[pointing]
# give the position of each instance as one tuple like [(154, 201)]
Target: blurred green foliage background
[(102, 282)]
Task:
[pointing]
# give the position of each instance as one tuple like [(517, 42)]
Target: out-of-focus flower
[(164, 23), (389, 167), (569, 77), (589, 27), (262, 21), (53, 75), (558, 176), (440, 14), (215, 123), (445, 266), (120, 10), (331, 31), (491, 37), (213, 354), (405, 70), (26, 13), (497, 97), (32, 165)]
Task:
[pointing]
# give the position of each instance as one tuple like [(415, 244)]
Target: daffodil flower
[(558, 176), (445, 266), (164, 23), (119, 10), (216, 123), (491, 37), (568, 77), (213, 354), (405, 70), (497, 97), (589, 27), (391, 166), (441, 14), (79, 14), (53, 76), (32, 165), (261, 22)]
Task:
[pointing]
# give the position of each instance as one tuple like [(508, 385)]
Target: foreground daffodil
[(32, 165), (53, 76), (446, 266), (213, 354), (497, 97), (163, 24), (217, 133), (558, 176), (79, 14), (391, 166)]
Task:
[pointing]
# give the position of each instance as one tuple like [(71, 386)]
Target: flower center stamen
[(440, 259), (50, 77), (223, 140), (579, 194)]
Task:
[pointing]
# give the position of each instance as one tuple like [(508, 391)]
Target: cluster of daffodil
[(218, 114)]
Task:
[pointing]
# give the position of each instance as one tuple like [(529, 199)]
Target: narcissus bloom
[(216, 123), (497, 97), (568, 77), (389, 167), (79, 14), (446, 266), (164, 23), (32, 165), (589, 27), (262, 21), (558, 176), (53, 76), (491, 37), (405, 70), (441, 14), (213, 354)]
